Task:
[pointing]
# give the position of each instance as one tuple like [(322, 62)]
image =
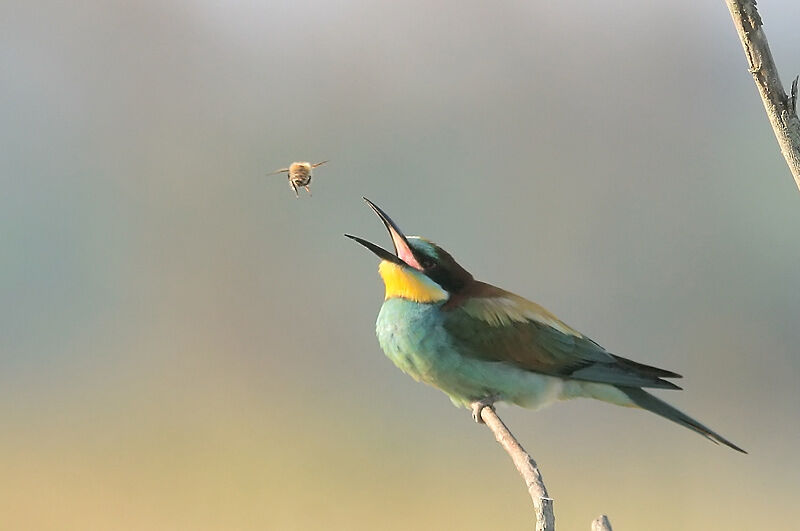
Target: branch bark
[(781, 108), (526, 466), (601, 523)]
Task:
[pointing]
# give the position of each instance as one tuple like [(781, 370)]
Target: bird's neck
[(406, 283)]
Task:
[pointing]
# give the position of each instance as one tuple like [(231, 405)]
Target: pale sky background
[(183, 345)]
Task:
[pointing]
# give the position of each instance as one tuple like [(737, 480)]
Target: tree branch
[(781, 109), (601, 523), (542, 502), (526, 466)]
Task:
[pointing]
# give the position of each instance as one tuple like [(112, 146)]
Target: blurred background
[(183, 345)]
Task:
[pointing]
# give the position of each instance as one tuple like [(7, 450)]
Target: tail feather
[(646, 369), (645, 400)]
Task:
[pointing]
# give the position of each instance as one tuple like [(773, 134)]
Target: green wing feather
[(524, 334)]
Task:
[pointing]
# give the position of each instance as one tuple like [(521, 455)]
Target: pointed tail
[(645, 400)]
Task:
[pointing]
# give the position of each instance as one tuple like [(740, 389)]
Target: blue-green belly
[(413, 336)]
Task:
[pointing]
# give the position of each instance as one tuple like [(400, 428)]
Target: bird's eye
[(427, 263)]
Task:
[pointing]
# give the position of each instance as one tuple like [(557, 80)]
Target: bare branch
[(781, 109), (542, 502), (601, 523)]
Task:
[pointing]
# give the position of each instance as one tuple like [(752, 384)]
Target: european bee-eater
[(480, 344)]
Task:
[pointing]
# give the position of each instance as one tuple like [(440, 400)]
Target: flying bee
[(299, 175)]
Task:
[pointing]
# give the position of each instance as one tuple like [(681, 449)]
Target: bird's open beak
[(403, 254)]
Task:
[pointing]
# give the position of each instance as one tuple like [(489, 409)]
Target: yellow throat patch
[(409, 284)]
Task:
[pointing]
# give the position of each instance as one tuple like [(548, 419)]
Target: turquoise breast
[(411, 335), (414, 337)]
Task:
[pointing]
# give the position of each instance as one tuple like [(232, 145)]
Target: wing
[(522, 333), (276, 172)]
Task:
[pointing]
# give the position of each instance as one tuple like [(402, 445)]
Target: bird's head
[(418, 270)]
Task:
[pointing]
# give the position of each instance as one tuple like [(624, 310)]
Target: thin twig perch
[(601, 523), (542, 502), (781, 108), (526, 466)]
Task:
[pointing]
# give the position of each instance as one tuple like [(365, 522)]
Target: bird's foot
[(478, 406)]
